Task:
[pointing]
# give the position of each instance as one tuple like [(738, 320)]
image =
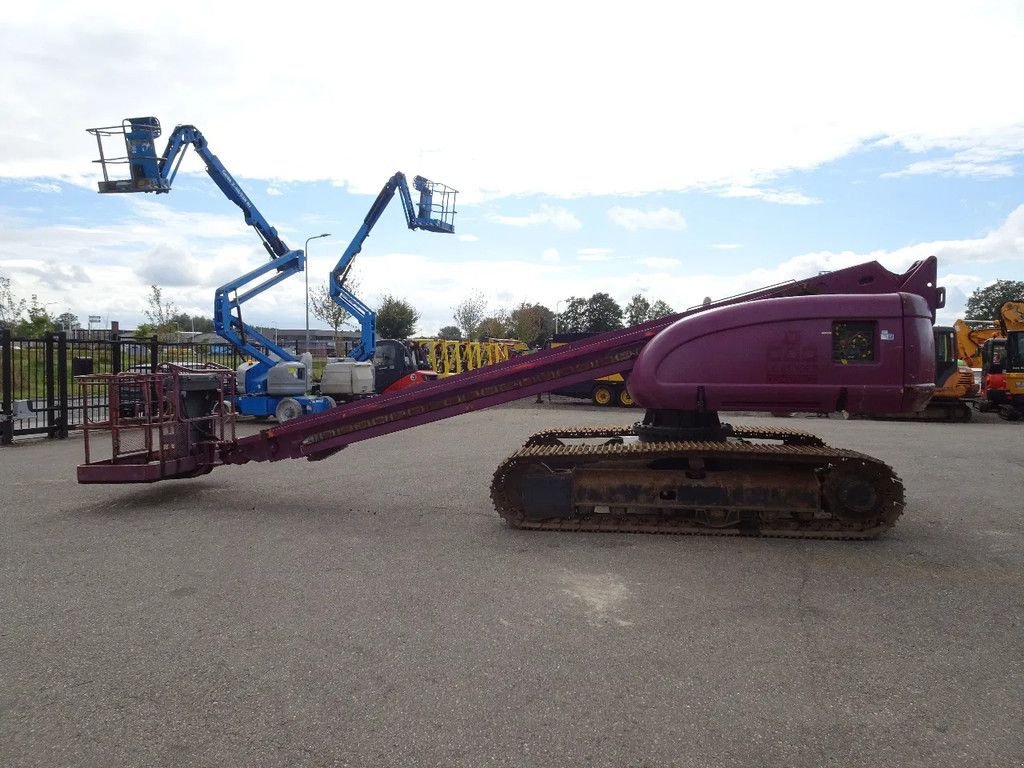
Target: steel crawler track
[(795, 487)]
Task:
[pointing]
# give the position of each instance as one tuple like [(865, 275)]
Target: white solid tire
[(287, 409)]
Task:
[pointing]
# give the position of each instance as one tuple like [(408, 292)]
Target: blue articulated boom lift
[(396, 364), (275, 382)]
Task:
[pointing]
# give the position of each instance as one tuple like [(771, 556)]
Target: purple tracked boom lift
[(856, 340)]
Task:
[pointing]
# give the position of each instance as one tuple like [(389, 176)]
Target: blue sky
[(673, 152)]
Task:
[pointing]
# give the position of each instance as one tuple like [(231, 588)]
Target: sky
[(670, 149)]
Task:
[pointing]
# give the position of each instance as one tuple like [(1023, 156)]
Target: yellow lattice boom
[(450, 357)]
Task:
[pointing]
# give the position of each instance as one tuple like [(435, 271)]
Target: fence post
[(115, 355), (6, 389), (154, 353), (49, 379), (62, 384)]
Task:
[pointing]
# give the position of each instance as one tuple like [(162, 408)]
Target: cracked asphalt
[(372, 610)]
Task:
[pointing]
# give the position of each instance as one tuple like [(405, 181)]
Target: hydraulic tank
[(859, 353)]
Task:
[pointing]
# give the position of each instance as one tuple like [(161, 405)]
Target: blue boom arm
[(284, 261), (152, 173), (185, 135), (435, 212)]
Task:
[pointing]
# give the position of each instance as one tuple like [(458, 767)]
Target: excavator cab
[(945, 354), (1013, 365), (144, 167), (993, 377), (993, 355), (1015, 352)]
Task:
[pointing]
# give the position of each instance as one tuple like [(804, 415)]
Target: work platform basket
[(145, 427), (139, 166), (436, 208)]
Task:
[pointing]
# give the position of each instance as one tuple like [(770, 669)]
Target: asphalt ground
[(372, 610)]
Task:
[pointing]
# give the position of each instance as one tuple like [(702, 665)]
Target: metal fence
[(38, 394)]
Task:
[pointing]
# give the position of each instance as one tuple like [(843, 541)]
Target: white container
[(346, 379)]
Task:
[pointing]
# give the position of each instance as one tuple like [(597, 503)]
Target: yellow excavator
[(996, 351), (1003, 380), (971, 336), (954, 383)]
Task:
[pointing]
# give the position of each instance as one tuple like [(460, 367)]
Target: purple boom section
[(320, 435)]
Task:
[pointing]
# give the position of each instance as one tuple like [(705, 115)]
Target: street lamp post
[(306, 270), (556, 315)]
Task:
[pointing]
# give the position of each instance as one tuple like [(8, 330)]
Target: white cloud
[(508, 126), (560, 218), (468, 238), (593, 257), (981, 163), (782, 197), (43, 186), (984, 153), (656, 262), (726, 246), (634, 218), (550, 256), (274, 191), (963, 282)]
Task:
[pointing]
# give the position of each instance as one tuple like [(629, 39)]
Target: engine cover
[(287, 378), (860, 353)]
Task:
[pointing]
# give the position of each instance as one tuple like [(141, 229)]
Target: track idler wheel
[(861, 492)]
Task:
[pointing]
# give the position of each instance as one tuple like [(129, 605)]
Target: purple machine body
[(861, 354)]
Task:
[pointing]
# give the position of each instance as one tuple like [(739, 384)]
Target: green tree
[(493, 327), (637, 310), (573, 319), (659, 309), (640, 310), (160, 313), (38, 320), (451, 332), (603, 313), (68, 321), (198, 323), (985, 302), (396, 318), (328, 310), (533, 324), (468, 314), (11, 307)]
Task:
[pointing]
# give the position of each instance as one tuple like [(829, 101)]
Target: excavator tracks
[(794, 487)]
